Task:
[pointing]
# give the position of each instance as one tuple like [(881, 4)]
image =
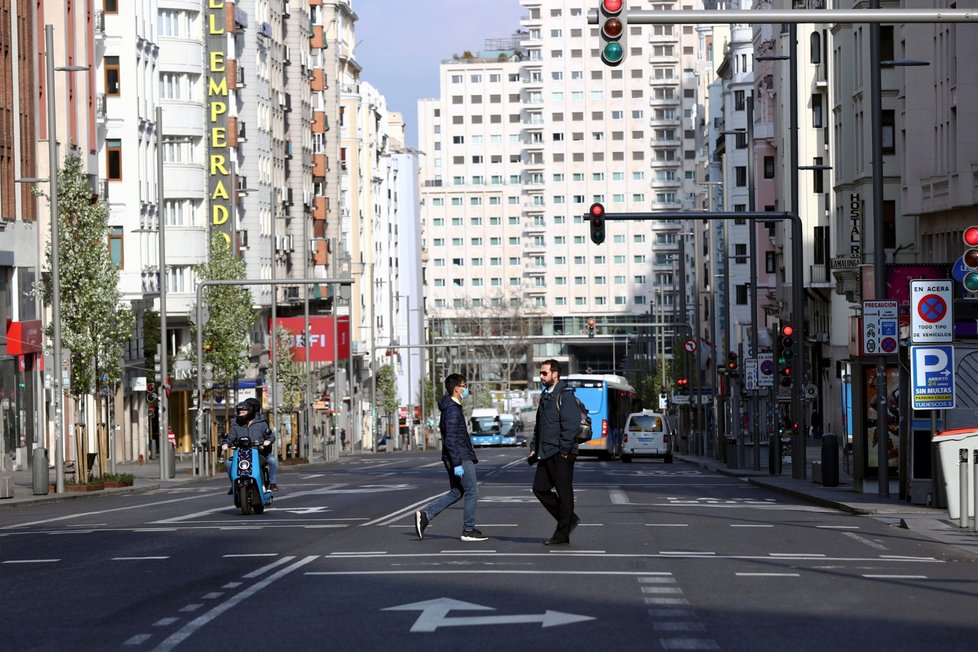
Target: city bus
[(609, 400)]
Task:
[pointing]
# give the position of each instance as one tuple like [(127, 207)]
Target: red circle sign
[(690, 345), (932, 308)]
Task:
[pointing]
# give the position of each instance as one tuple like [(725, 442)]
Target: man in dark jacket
[(459, 459), (249, 422), (555, 448)]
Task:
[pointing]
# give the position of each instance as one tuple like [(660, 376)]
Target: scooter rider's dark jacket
[(257, 430)]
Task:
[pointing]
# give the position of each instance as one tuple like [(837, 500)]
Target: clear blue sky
[(400, 44)]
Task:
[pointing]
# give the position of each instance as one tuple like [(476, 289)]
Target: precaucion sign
[(932, 377), (880, 324)]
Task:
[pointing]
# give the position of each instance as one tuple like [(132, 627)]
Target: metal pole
[(164, 372), (684, 427), (306, 443), (798, 452), (59, 452), (337, 402), (373, 352), (273, 331), (882, 418), (755, 353), (410, 403)]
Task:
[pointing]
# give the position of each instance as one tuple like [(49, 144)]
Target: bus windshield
[(484, 425)]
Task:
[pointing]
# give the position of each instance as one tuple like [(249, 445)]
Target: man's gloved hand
[(459, 471), (266, 443), (224, 447)]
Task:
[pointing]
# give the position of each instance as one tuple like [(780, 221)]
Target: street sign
[(931, 312), (690, 345), (811, 391), (932, 377), (880, 327), (750, 373), (765, 370)]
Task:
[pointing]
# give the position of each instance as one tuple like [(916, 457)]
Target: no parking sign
[(930, 312)]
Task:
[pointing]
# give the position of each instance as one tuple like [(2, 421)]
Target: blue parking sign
[(932, 377)]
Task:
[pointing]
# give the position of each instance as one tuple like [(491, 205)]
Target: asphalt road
[(667, 557)]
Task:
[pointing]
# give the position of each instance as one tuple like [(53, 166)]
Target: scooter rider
[(251, 423)]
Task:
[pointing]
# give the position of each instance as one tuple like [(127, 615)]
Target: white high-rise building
[(524, 137)]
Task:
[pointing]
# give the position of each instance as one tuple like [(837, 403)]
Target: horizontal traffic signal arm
[(792, 16)]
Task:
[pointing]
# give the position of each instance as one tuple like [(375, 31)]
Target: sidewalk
[(931, 522)]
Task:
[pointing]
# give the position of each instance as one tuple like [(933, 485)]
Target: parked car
[(647, 434)]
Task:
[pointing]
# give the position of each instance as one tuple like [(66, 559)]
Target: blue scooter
[(249, 478)]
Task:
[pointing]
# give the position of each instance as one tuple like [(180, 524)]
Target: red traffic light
[(970, 236), (611, 6), (788, 330), (682, 382), (596, 210)]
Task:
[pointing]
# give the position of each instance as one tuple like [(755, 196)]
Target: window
[(740, 101), (115, 246), (888, 130), (113, 159), (817, 118), (741, 174), (110, 6), (815, 47), (741, 295), (112, 76), (770, 262), (768, 167)]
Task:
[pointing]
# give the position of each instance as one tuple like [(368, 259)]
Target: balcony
[(319, 251), (319, 209), (100, 24), (318, 81), (319, 165), (319, 125), (317, 40)]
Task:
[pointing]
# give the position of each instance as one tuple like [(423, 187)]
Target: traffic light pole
[(798, 461)]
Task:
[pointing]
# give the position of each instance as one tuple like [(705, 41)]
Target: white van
[(647, 434)]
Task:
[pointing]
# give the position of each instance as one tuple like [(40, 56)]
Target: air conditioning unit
[(281, 99), (290, 243), (306, 198), (287, 54)]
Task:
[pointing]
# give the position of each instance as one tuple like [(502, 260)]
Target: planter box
[(92, 486), (112, 484)]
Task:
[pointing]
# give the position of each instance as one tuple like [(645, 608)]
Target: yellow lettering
[(215, 4), (217, 62), (218, 109), (215, 27), (220, 191), (218, 165), (219, 137), (217, 89), (219, 214)]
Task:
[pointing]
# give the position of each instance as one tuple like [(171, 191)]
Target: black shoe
[(420, 523), (274, 487), (230, 492), (554, 541), (574, 523), (473, 535)]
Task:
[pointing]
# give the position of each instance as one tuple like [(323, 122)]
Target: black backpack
[(584, 433)]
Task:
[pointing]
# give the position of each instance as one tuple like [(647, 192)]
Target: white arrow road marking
[(434, 614)]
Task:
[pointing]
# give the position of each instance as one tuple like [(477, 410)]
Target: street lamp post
[(165, 471)]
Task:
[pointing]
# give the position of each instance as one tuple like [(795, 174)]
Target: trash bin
[(949, 442), (40, 475), (830, 460), (730, 452), (774, 454)]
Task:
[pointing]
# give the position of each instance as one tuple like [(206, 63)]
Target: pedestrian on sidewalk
[(816, 424), (459, 458), (554, 449)]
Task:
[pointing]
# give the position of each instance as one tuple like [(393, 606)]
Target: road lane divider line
[(264, 569), (196, 624), (391, 517)]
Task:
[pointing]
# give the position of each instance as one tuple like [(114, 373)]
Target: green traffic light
[(970, 281), (612, 53)]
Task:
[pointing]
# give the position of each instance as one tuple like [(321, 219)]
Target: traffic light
[(596, 218), (590, 327), (970, 258), (786, 343), (683, 382), (613, 22), (731, 361)]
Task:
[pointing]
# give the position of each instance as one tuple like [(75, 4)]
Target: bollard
[(830, 460), (40, 475), (974, 489), (963, 487), (774, 455), (171, 460)]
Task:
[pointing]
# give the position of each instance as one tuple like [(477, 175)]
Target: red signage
[(24, 337), (320, 337)]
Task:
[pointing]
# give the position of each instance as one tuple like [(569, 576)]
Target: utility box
[(949, 444)]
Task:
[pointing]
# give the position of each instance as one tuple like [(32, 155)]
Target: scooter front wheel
[(244, 499)]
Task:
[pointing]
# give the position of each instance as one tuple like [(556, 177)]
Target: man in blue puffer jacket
[(250, 423), (459, 458)]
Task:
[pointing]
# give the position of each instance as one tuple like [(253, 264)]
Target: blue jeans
[(465, 487)]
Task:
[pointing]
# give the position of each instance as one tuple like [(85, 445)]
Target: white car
[(647, 434)]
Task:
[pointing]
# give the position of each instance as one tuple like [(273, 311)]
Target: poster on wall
[(891, 404)]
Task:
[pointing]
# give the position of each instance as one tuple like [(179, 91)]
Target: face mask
[(465, 392)]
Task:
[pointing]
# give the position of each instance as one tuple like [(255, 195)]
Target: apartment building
[(521, 141)]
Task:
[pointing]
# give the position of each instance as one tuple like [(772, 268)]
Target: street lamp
[(55, 250)]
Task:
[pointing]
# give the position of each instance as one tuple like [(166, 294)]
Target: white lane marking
[(667, 601), (803, 555), (767, 574), (213, 595), (232, 585), (618, 497), (667, 525), (689, 644), (165, 622), (340, 553), (428, 466), (251, 554), (694, 553), (657, 580), (662, 590), (150, 558), (30, 561), (138, 639), (672, 612), (896, 577), (679, 626), (103, 511), (190, 607), (264, 569), (573, 553), (500, 571), (190, 628), (749, 525), (871, 544), (387, 519), (837, 527), (660, 555), (481, 551)]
